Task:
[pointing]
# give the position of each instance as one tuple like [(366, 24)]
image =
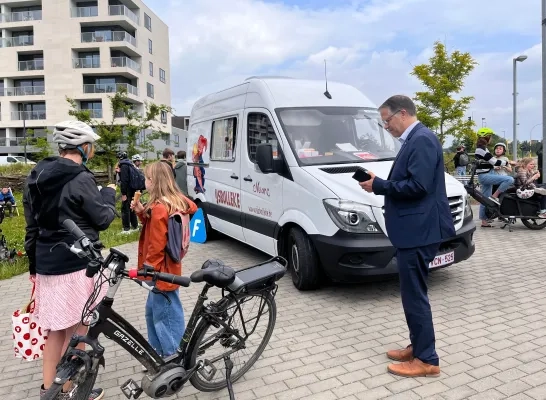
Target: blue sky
[(370, 44)]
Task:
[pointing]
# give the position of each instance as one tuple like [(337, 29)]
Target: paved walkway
[(489, 313)]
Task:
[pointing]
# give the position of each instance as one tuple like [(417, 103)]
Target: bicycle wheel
[(82, 381), (202, 380)]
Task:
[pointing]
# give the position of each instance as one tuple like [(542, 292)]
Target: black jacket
[(125, 177), (58, 189)]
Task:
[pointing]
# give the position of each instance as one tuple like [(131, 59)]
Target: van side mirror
[(264, 157)]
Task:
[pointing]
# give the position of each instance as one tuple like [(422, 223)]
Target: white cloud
[(370, 44)]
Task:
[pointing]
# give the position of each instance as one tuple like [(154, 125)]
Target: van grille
[(340, 170), (456, 206), (457, 209)]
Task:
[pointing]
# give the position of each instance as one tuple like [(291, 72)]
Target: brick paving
[(489, 315)]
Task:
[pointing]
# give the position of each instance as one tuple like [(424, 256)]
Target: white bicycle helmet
[(525, 193), (72, 134), (137, 157)]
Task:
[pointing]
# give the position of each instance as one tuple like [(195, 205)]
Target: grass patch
[(14, 231)]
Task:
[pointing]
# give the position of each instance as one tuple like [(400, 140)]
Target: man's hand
[(367, 186), (123, 198)]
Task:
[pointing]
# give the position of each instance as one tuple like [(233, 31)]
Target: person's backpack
[(464, 160), (137, 181), (178, 236)]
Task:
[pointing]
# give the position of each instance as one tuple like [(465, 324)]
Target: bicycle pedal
[(208, 370), (131, 390)]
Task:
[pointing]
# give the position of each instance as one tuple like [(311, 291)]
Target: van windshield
[(337, 135)]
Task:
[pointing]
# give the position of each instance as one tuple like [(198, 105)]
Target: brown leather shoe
[(414, 368), (401, 355)]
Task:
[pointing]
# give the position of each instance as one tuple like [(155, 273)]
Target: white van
[(278, 157), (9, 160)]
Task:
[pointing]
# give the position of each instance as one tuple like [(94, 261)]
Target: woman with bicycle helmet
[(60, 188), (486, 174)]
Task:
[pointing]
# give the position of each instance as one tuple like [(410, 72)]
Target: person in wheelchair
[(526, 186), (487, 177)]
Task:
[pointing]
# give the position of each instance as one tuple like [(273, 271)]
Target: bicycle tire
[(202, 328), (82, 391)]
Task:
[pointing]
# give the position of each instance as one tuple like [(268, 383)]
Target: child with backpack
[(164, 240)]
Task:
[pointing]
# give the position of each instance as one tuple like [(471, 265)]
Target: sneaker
[(126, 232), (542, 214)]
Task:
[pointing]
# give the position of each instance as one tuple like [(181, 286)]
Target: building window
[(150, 46), (260, 131), (150, 90), (222, 147), (176, 140), (147, 22), (162, 75), (151, 67), (163, 116)]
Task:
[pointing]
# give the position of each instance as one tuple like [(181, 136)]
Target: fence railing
[(125, 62), (25, 91), (16, 41), (123, 10), (108, 36), (85, 12), (21, 16), (110, 88), (27, 115), (86, 63), (31, 65)]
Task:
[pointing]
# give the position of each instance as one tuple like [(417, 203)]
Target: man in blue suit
[(418, 219)]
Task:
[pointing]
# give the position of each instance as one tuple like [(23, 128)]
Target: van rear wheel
[(303, 260)]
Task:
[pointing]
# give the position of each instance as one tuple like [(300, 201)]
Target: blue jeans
[(165, 322), (461, 171), (487, 181)]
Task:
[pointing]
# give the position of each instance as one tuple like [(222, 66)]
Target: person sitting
[(486, 175), (7, 200), (526, 178)]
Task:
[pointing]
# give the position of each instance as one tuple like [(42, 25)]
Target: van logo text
[(231, 199), (129, 342), (260, 190)]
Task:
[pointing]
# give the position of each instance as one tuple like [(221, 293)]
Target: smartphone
[(361, 175)]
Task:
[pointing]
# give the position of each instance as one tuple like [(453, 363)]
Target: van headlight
[(351, 216), (467, 207)]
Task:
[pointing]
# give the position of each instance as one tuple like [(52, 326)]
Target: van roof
[(279, 92)]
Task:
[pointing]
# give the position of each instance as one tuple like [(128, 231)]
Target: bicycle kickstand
[(229, 368)]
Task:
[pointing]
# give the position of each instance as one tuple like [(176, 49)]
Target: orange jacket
[(153, 241)]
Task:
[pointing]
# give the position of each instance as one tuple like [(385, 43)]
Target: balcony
[(110, 88), (25, 91), (84, 12), (108, 36), (33, 65), (86, 63), (22, 16), (120, 62), (27, 115), (123, 10), (17, 41)]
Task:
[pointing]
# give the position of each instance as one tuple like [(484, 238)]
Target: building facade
[(85, 50)]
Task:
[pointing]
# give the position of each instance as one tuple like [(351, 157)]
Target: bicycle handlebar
[(161, 276), (73, 229)]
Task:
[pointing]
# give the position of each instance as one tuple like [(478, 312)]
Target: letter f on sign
[(198, 233)]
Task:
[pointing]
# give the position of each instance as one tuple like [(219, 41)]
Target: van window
[(222, 147), (337, 135), (260, 130), (11, 160)]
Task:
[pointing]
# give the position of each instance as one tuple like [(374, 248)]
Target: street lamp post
[(514, 108), (25, 133)]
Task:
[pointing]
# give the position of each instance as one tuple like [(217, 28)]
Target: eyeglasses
[(388, 120)]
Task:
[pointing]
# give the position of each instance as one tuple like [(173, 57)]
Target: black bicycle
[(192, 362)]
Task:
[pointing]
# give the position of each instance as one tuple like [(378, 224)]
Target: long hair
[(164, 189), (524, 162)]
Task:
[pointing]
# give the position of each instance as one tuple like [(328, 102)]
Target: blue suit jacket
[(417, 211)]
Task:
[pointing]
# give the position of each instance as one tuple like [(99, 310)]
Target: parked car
[(7, 160), (270, 162)]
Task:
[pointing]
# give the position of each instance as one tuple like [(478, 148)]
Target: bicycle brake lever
[(59, 244)]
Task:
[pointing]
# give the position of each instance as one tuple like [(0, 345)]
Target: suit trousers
[(413, 270)]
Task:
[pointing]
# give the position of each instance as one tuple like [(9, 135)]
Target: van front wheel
[(303, 260)]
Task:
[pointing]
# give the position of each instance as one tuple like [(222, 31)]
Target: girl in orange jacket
[(164, 312)]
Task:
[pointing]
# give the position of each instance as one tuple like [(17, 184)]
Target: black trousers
[(413, 271), (128, 217)]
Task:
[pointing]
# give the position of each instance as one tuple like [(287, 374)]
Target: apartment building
[(51, 49)]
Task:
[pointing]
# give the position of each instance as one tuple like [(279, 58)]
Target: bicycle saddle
[(215, 273)]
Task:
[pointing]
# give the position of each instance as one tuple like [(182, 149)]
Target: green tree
[(113, 134), (437, 106), (40, 146)]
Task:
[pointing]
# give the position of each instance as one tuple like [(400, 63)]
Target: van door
[(262, 201), (222, 180)]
